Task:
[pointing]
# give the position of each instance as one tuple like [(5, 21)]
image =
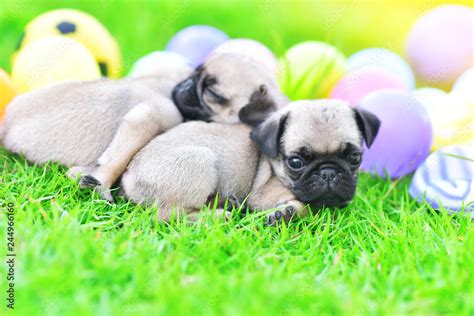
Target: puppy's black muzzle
[(187, 98), (327, 184)]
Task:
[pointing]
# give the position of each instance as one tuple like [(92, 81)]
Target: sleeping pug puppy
[(308, 152), (98, 126)]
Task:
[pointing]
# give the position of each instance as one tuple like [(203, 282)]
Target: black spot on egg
[(66, 27), (103, 69)]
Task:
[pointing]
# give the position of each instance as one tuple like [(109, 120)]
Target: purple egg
[(196, 42), (440, 45), (405, 136)]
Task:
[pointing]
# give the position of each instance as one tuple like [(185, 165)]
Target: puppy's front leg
[(274, 195), (138, 127)]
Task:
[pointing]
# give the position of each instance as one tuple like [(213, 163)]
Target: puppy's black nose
[(327, 172)]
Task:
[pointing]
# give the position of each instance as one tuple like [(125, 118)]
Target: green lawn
[(77, 254)]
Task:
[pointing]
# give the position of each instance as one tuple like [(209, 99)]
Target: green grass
[(77, 254), (384, 254)]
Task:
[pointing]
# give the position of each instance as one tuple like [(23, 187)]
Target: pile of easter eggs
[(437, 116), (414, 121), (425, 102)]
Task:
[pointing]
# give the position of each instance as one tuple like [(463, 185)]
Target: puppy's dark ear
[(199, 69), (260, 106), (368, 124), (268, 134)]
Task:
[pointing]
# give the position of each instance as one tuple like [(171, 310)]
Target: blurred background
[(354, 50), (143, 26)]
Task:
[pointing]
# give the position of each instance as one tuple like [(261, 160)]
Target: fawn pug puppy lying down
[(311, 152), (100, 125)]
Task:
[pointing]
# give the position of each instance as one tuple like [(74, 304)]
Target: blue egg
[(384, 59), (159, 63), (446, 179)]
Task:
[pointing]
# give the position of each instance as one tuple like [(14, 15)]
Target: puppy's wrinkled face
[(316, 148), (226, 83)]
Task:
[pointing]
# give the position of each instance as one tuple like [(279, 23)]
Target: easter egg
[(440, 45), (355, 85), (464, 85), (430, 95), (250, 48), (81, 27), (7, 91), (196, 42), (446, 179), (452, 116), (405, 134), (50, 60), (159, 63), (310, 69), (384, 59)]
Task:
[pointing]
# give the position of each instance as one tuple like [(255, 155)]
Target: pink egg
[(355, 85)]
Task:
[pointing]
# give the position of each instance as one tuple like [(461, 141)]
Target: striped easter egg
[(446, 179)]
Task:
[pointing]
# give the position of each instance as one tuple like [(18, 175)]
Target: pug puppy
[(308, 152), (98, 126)]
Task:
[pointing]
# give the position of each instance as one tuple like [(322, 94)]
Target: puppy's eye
[(208, 81), (354, 158), (295, 162), (215, 96)]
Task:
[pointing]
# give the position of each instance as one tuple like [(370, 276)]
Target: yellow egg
[(452, 116), (454, 124), (81, 27), (51, 60), (7, 91)]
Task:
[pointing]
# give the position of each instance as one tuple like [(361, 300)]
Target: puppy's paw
[(285, 211), (89, 181), (234, 202)]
